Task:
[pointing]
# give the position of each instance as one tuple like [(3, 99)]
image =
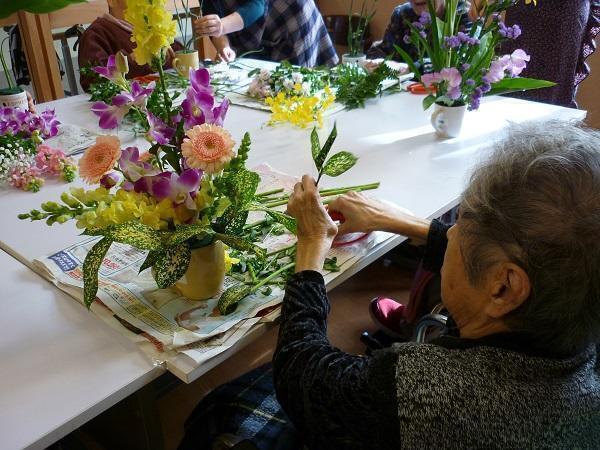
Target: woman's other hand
[(210, 25), (316, 229), (366, 214)]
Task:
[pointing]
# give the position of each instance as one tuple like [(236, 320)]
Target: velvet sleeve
[(335, 400)]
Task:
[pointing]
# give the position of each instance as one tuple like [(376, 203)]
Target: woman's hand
[(316, 229), (365, 214), (224, 51), (210, 25)]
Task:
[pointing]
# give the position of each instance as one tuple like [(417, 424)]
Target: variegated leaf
[(153, 256), (135, 234), (232, 296), (287, 221), (239, 243), (322, 156), (339, 163), (91, 265), (172, 265), (184, 232), (315, 145)]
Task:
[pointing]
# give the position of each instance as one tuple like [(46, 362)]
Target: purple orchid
[(159, 131), (111, 179), (177, 188), (198, 107), (110, 116), (137, 97), (132, 167), (109, 71), (16, 120)]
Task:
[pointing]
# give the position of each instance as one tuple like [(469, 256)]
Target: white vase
[(447, 120), (349, 59), (14, 99)]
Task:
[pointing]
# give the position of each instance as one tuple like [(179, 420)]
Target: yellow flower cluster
[(229, 261), (298, 109), (126, 206), (153, 28), (527, 2)]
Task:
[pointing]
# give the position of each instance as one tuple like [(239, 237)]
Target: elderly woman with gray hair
[(521, 279)]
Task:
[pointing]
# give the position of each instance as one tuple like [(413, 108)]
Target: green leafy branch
[(336, 165)]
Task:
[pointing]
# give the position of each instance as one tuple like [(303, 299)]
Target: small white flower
[(264, 75), (288, 84), (297, 77), (305, 88)]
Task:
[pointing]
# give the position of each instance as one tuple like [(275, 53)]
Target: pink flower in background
[(517, 62), (452, 76), (207, 147), (51, 160), (429, 79)]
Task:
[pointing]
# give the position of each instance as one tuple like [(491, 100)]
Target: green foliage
[(232, 296), (172, 265), (355, 85), (287, 221), (100, 89), (135, 234), (339, 163), (153, 256), (240, 243), (508, 85), (91, 266), (185, 232), (356, 31), (7, 8), (331, 265)]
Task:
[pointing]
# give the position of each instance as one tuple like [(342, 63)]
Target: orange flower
[(209, 148), (100, 158)]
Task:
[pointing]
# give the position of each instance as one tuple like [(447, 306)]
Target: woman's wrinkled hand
[(210, 25), (316, 229)]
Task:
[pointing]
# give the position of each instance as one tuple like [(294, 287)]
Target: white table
[(396, 146), (61, 366)]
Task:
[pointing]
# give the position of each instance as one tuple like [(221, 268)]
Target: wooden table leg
[(36, 36)]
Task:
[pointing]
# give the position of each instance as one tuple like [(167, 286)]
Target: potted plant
[(464, 63), (357, 28), (12, 96), (187, 58)]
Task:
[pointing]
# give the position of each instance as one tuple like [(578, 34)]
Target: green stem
[(161, 75), (5, 67), (268, 193), (281, 250), (330, 193), (273, 275)]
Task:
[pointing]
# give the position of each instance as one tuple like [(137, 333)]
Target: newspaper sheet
[(171, 322)]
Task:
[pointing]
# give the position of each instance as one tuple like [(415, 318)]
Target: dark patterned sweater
[(487, 393)]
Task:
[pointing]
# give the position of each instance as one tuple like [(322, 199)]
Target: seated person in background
[(397, 29), (106, 36), (520, 276), (276, 30)]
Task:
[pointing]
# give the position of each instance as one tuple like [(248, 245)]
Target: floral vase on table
[(464, 64)]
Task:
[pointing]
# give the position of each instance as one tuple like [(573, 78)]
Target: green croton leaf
[(153, 256), (91, 265), (135, 234), (232, 296), (315, 145), (339, 163), (8, 8), (172, 265), (232, 221), (240, 243), (184, 232), (322, 156), (287, 221)]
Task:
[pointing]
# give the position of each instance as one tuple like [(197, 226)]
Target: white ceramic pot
[(14, 100), (447, 120), (348, 59)]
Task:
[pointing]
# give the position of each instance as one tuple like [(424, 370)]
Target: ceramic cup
[(447, 120), (183, 62)]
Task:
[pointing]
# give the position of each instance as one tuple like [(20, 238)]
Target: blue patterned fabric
[(291, 30)]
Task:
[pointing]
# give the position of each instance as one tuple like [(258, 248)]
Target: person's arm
[(251, 11), (435, 247), (224, 50), (334, 399)]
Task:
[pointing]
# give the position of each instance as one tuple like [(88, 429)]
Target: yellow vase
[(206, 273), (183, 62)]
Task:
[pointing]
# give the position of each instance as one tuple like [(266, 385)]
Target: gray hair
[(538, 200)]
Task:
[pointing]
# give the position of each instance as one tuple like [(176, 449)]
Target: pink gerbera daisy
[(100, 158), (208, 147)]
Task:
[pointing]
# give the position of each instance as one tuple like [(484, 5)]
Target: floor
[(349, 318)]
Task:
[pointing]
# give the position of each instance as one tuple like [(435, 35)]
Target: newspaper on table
[(171, 322), (72, 139)]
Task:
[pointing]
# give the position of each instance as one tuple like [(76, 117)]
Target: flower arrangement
[(190, 190), (464, 62), (25, 160), (358, 29), (296, 95)]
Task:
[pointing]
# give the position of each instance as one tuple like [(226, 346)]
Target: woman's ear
[(509, 288)]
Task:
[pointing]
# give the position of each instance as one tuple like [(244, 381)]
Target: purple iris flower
[(159, 131), (132, 167), (177, 188), (199, 105), (109, 71)]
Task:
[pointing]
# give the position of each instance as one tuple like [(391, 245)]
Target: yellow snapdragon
[(299, 110), (153, 28)]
